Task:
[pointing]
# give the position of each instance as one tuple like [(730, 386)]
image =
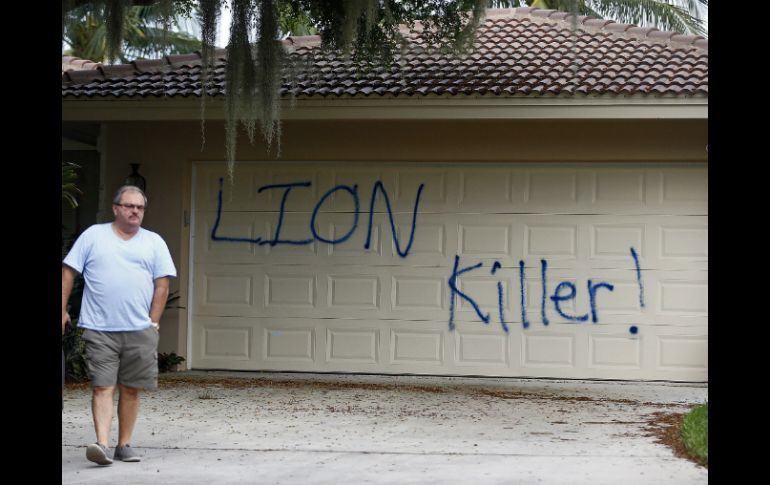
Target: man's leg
[(138, 370), (101, 407), (128, 410), (102, 353)]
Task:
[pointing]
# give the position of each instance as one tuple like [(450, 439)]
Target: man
[(126, 270)]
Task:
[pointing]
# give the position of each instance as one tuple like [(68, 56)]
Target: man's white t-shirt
[(119, 277)]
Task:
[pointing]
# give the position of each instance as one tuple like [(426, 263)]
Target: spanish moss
[(209, 19), (240, 79), (115, 11), (370, 33), (269, 61)]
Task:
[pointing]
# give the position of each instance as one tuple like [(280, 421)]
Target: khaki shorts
[(128, 358)]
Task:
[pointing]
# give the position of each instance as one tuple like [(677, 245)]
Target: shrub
[(74, 355), (168, 362)]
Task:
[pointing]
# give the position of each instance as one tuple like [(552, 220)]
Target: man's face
[(129, 216)]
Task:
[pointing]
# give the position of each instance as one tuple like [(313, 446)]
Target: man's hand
[(67, 280), (159, 298)]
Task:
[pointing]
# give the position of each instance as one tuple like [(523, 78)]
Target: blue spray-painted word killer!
[(564, 292), (350, 191)]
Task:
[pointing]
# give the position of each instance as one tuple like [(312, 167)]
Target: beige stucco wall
[(166, 151)]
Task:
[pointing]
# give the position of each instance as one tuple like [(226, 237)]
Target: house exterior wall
[(167, 151)]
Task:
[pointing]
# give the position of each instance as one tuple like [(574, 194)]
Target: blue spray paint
[(214, 236), (495, 267), (277, 237), (455, 291), (565, 291), (354, 193), (592, 296), (638, 277), (500, 305), (634, 329), (379, 186), (558, 298), (522, 285), (543, 269)]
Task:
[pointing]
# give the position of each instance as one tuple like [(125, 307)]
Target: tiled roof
[(69, 63), (519, 52)]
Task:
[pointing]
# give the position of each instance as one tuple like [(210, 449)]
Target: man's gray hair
[(128, 188)]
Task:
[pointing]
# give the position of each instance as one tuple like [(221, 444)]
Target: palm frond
[(69, 191), (145, 31), (662, 14)]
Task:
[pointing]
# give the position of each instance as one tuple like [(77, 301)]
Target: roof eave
[(392, 108)]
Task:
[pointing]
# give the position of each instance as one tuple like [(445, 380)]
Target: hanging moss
[(115, 13), (208, 16), (367, 31), (240, 78), (270, 57)]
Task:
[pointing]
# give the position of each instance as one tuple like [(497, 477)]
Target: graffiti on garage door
[(352, 191), (564, 292)]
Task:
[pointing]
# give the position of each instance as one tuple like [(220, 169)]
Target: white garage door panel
[(582, 189), (416, 294), (595, 241), (346, 346), (622, 303), (573, 351), (318, 299)]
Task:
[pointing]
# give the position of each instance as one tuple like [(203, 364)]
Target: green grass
[(695, 432)]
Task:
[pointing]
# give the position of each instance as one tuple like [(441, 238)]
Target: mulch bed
[(664, 427), (171, 381)]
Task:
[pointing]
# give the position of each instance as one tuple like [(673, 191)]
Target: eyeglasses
[(140, 208)]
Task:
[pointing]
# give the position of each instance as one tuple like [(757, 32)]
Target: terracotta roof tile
[(519, 52), (183, 58), (81, 76), (685, 39), (640, 32), (596, 23), (617, 27), (117, 71), (559, 16), (542, 12), (660, 34), (70, 64), (149, 65), (525, 10)]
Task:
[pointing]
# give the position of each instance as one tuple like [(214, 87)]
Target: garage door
[(566, 271)]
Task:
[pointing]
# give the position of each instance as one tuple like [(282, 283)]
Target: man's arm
[(67, 280), (159, 297)]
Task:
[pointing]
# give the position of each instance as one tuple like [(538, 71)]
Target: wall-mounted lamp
[(135, 179)]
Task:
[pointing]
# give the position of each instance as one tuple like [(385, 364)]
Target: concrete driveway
[(271, 428)]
